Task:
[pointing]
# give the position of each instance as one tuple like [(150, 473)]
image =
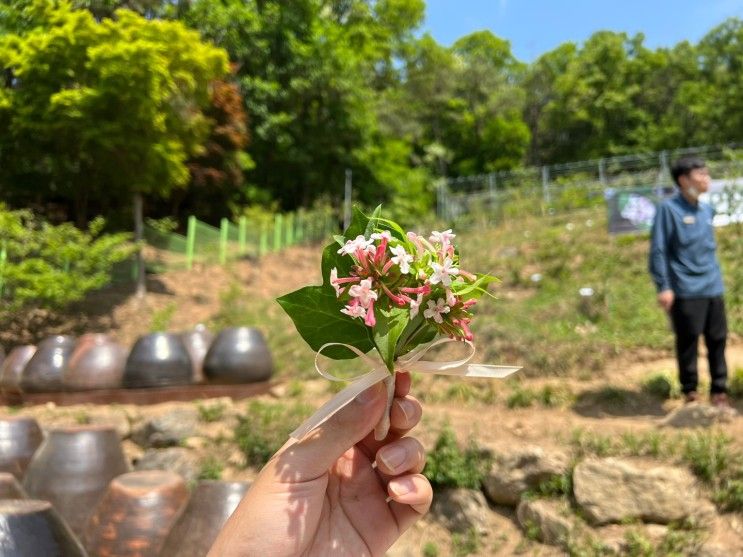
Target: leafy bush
[(521, 397), (451, 466), (266, 427), (735, 386), (48, 266), (211, 412), (661, 385)]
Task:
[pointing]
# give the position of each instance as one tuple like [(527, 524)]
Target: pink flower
[(443, 273), (415, 306), (444, 238), (451, 299), (354, 310), (384, 235), (402, 259), (436, 309), (359, 243), (370, 320), (363, 292), (334, 281)]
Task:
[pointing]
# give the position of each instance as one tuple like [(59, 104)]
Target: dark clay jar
[(158, 360), (34, 528), (211, 504), (73, 468), (20, 437), (96, 363), (43, 372), (13, 366), (238, 355)]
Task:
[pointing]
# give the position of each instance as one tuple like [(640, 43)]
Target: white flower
[(384, 234), (451, 299), (443, 273), (402, 259), (415, 306), (333, 279), (436, 309), (363, 291), (354, 311), (359, 243), (443, 238)]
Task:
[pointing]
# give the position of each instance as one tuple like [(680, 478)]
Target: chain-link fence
[(489, 199), (204, 244)]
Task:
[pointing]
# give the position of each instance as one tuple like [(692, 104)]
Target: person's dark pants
[(692, 317)]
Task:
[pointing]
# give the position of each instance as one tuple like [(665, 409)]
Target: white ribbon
[(378, 371)]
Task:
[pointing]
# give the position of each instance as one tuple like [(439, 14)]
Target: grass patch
[(266, 427), (466, 543), (211, 412), (735, 383), (211, 469), (162, 318), (449, 465), (661, 385)]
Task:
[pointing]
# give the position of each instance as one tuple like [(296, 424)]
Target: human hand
[(323, 496), (665, 299)]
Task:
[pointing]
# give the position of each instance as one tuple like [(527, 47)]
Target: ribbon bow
[(378, 371)]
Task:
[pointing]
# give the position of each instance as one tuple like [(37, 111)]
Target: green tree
[(103, 110)]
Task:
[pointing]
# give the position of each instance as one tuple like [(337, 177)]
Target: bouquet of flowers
[(393, 292)]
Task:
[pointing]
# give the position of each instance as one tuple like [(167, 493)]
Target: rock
[(169, 429), (514, 473), (114, 417), (713, 550), (178, 460), (460, 510), (543, 515), (612, 490), (698, 415)]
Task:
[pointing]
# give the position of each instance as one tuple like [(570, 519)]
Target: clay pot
[(158, 360), (19, 438), (238, 355), (33, 528), (197, 343), (135, 515), (73, 468), (211, 504), (10, 488), (43, 372), (96, 363), (13, 366)]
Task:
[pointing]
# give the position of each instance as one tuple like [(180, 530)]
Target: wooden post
[(139, 238)]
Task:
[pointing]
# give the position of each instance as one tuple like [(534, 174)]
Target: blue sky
[(536, 26)]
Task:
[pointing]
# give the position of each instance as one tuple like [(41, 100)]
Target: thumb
[(311, 457)]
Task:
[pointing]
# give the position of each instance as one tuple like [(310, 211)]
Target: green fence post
[(223, 229), (300, 228), (190, 241), (290, 229), (3, 259), (243, 234), (263, 246), (278, 225)]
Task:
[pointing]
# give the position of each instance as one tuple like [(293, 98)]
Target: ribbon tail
[(479, 370), (340, 400)]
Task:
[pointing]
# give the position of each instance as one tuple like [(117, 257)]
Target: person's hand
[(665, 299), (324, 496)]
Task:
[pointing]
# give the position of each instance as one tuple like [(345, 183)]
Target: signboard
[(633, 209)]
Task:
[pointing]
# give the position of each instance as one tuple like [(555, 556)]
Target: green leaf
[(391, 322), (316, 313), (360, 225), (475, 289)]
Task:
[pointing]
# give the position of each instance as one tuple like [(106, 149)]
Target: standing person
[(686, 272)]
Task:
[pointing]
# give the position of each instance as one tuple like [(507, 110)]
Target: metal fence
[(491, 198)]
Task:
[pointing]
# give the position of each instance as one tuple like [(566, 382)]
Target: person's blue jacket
[(683, 250)]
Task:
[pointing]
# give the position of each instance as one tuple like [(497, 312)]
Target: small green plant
[(82, 417), (211, 412), (430, 549), (266, 427), (521, 397), (551, 396), (466, 543), (637, 545), (556, 486), (735, 387), (232, 310), (295, 388), (611, 395), (450, 465), (708, 455), (162, 318), (661, 385), (211, 469)]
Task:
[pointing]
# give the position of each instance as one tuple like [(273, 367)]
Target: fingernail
[(406, 407), (392, 457), (369, 395), (402, 486)]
